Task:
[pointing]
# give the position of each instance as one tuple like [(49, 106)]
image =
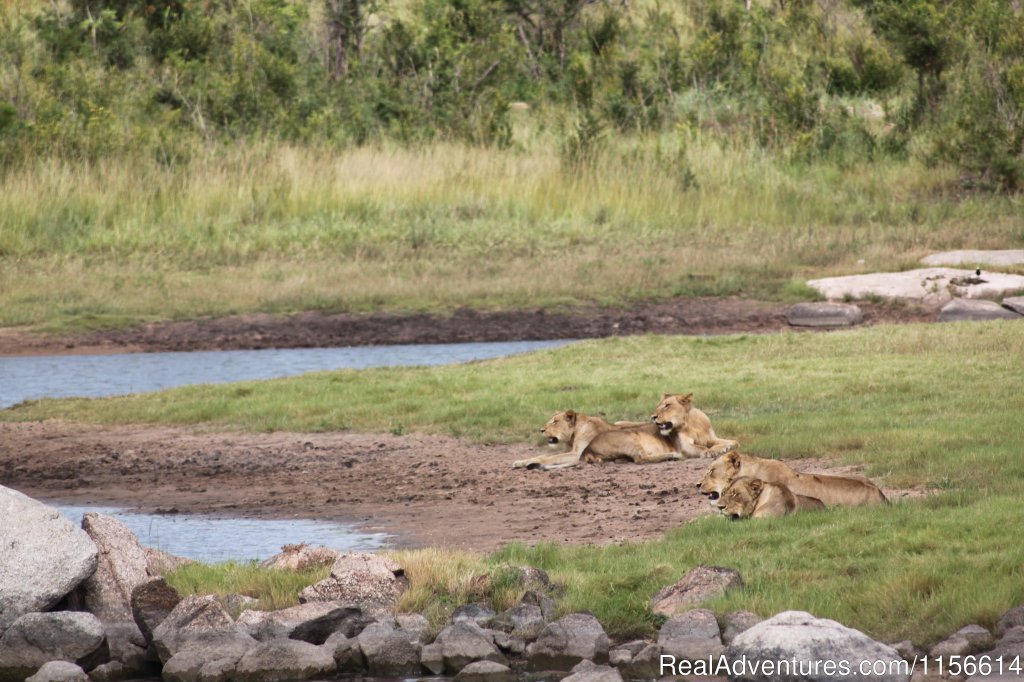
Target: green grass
[(280, 229), (274, 589), (932, 406)]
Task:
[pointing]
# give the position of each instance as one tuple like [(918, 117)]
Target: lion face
[(559, 428), (719, 475), (740, 499), (672, 412)]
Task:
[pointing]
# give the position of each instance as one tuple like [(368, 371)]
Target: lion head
[(739, 500), (672, 412), (560, 428), (720, 474)]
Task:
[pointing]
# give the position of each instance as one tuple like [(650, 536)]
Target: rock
[(633, 648), (486, 671), (43, 556), (534, 578), (975, 258), (1011, 644), (432, 658), (59, 671), (194, 615), (212, 657), (588, 671), (389, 652), (800, 636), (927, 285), (160, 563), (737, 622), (301, 557), (38, 638), (464, 642), (697, 586), (824, 315), (238, 603), (691, 636), (907, 650), (347, 655), (967, 640), (284, 659), (1014, 304), (373, 583), (317, 620), (523, 620), (963, 310), (477, 613), (542, 601), (644, 665), (128, 647), (415, 626), (508, 643), (151, 603), (566, 642), (1010, 619)]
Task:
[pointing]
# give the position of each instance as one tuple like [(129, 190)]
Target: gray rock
[(696, 587), (522, 620), (566, 642), (388, 651), (588, 671), (415, 626), (965, 310), (691, 636), (634, 647), (369, 581), (127, 646), (1014, 304), (432, 658), (301, 557), (619, 657), (284, 659), (312, 622), (1010, 619), (120, 569), (464, 642), (486, 671), (824, 315), (116, 671), (508, 643), (644, 665), (59, 671), (976, 258), (160, 563), (347, 655), (209, 657), (1011, 644), (38, 638), (480, 614), (737, 622), (238, 603), (193, 616), (800, 636), (151, 603), (347, 620), (931, 286), (534, 578), (907, 650), (43, 556), (542, 601)]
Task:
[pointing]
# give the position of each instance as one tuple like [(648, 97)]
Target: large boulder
[(151, 602), (481, 614), (193, 616), (284, 659), (301, 557), (931, 286), (567, 641), (797, 646), (1014, 304), (389, 652), (824, 315), (523, 620), (211, 657), (464, 642), (121, 568), (320, 616), (43, 556), (372, 582), (38, 638), (696, 587), (691, 636), (160, 563), (967, 310), (59, 671)]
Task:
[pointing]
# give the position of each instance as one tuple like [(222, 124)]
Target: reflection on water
[(211, 539), (61, 376)]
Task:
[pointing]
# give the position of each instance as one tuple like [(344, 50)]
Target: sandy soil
[(426, 490), (308, 330)]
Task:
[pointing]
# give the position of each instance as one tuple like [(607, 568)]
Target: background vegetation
[(179, 158)]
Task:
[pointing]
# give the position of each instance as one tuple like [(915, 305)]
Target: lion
[(689, 428), (752, 498), (833, 491), (592, 439)]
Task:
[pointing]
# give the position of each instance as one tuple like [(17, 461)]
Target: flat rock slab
[(999, 259), (932, 286), (1014, 303), (824, 315), (962, 310)]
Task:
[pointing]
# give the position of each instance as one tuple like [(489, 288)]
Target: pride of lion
[(740, 486)]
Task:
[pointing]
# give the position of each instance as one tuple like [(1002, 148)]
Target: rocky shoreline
[(90, 603)]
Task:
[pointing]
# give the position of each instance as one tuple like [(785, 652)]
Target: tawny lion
[(752, 498), (689, 428)]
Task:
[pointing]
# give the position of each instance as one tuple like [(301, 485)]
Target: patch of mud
[(427, 490)]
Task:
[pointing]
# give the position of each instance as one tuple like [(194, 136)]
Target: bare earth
[(425, 490)]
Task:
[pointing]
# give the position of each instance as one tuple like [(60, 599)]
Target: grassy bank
[(283, 229), (936, 406)]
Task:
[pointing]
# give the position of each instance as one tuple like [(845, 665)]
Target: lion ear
[(688, 398), (570, 415), (756, 486), (734, 459)]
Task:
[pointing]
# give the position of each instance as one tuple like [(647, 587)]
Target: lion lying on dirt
[(752, 498), (592, 439), (833, 491), (689, 428)]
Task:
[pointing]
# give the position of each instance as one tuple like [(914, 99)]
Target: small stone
[(737, 622), (588, 671), (301, 557), (347, 654), (824, 315), (968, 310), (696, 587), (477, 613), (645, 664), (464, 642), (59, 671), (907, 650), (541, 600), (523, 620), (432, 658), (1011, 618), (389, 652), (486, 671), (566, 642), (691, 636), (284, 659)]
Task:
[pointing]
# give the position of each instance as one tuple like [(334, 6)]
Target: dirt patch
[(319, 330), (426, 490)]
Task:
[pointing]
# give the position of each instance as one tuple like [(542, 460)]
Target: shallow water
[(61, 376), (212, 539)]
